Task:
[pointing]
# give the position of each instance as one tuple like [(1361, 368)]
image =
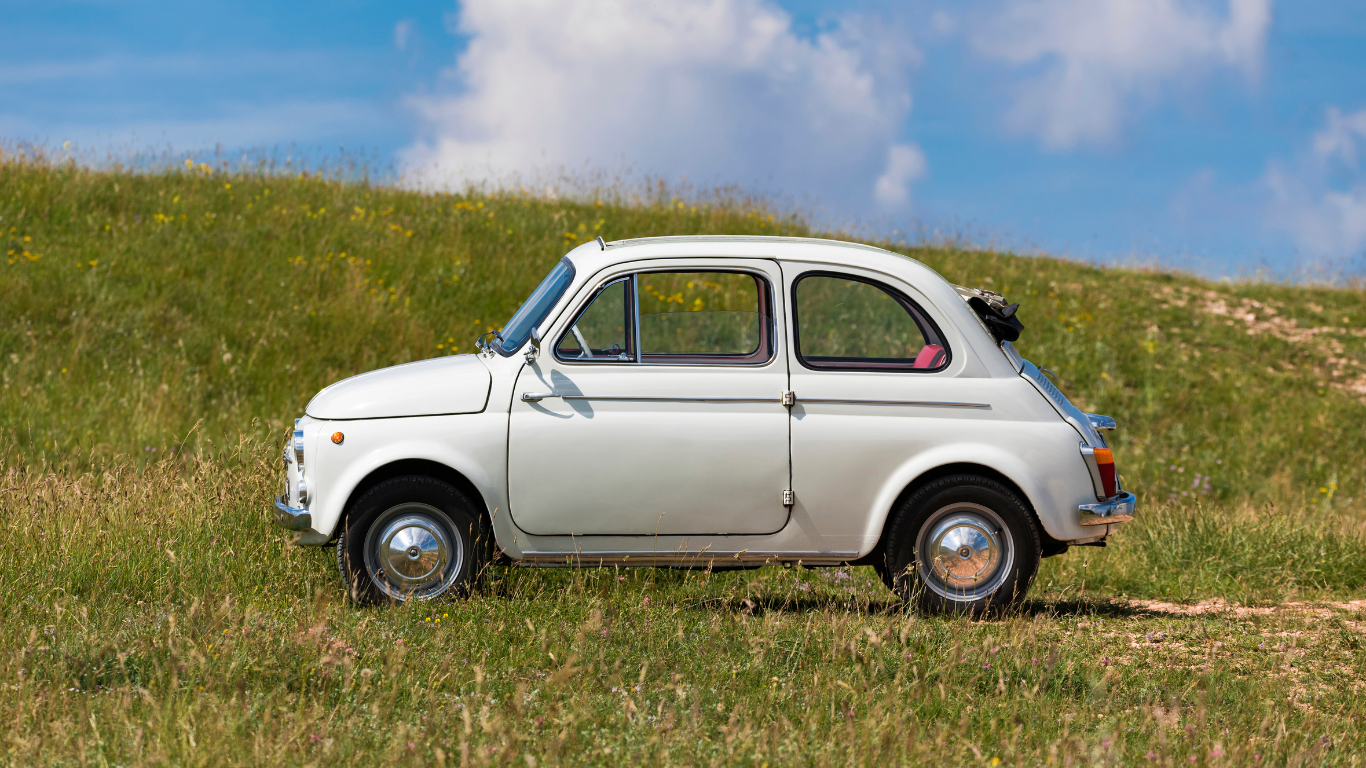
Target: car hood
[(445, 385)]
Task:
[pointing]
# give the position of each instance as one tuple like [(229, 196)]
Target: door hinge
[(789, 498), (789, 397)]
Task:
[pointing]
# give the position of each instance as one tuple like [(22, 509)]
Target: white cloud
[(1091, 62), (403, 31), (1321, 199), (230, 126), (712, 90), (905, 164)]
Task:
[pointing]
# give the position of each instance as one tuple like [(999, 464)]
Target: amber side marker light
[(338, 437)]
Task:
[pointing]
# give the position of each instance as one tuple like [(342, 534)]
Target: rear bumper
[(291, 518), (1119, 508)]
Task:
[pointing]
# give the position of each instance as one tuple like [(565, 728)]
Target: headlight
[(298, 445)]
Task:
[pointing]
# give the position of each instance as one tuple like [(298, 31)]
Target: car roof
[(594, 256), (742, 239)]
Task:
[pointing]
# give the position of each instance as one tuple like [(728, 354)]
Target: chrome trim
[(1119, 508), (1070, 413), (303, 492), (532, 397), (635, 318), (675, 399), (482, 345), (298, 445), (1013, 355), (742, 555), (941, 403), (1101, 422), (536, 397), (534, 350), (585, 352), (291, 518), (413, 552), (601, 244), (1089, 455), (964, 552)]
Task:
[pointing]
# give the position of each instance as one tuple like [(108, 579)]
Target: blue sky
[(1220, 136)]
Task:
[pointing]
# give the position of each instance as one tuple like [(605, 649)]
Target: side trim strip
[(676, 399), (939, 403), (747, 554)]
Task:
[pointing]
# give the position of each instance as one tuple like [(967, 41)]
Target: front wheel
[(963, 544), (410, 538)]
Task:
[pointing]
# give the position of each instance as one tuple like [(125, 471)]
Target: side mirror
[(534, 350)]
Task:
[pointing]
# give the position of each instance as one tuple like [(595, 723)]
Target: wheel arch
[(423, 467), (1050, 545)]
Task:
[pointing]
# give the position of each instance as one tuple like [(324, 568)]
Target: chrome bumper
[(291, 518), (1116, 509)]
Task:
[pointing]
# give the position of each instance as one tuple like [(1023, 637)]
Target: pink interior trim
[(931, 356)]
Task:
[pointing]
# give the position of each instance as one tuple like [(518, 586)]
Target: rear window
[(849, 323)]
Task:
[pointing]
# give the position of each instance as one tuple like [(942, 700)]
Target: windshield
[(534, 310)]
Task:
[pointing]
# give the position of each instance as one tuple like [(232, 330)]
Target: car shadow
[(1104, 608), (1099, 607)]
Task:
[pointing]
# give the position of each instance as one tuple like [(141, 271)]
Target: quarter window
[(604, 331), (847, 323)]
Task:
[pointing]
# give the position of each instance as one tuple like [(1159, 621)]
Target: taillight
[(1105, 462), (1101, 463)]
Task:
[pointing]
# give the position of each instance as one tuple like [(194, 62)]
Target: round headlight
[(298, 445)]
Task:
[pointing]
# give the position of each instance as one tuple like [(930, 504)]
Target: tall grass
[(158, 330), (153, 616)]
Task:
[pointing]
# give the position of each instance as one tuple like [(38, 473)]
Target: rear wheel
[(962, 544), (411, 538)]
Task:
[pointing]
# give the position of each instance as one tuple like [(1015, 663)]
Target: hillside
[(158, 332), (133, 307)]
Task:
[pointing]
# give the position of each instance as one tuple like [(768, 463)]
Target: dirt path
[(1321, 608)]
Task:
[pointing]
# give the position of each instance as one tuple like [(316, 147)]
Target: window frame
[(498, 343), (632, 326), (913, 309), (766, 300)]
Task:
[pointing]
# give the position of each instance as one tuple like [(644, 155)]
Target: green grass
[(152, 615)]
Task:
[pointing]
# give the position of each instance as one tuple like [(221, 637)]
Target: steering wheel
[(584, 351)]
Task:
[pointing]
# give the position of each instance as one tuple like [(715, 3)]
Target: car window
[(535, 308), (603, 332), (704, 317), (849, 323)]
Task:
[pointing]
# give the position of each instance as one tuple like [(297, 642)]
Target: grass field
[(159, 330)]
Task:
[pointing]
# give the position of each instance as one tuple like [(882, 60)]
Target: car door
[(873, 377), (656, 408)]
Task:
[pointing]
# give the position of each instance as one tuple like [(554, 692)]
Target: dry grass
[(152, 615)]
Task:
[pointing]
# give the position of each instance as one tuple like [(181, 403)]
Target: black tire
[(425, 539), (979, 524)]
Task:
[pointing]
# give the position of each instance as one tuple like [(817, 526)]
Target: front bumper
[(1116, 509), (291, 518)]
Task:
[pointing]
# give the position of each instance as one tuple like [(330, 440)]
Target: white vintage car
[(713, 402)]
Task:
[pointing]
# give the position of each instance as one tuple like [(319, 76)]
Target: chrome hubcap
[(412, 552), (964, 552)]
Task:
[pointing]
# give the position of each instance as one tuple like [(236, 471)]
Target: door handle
[(536, 397)]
